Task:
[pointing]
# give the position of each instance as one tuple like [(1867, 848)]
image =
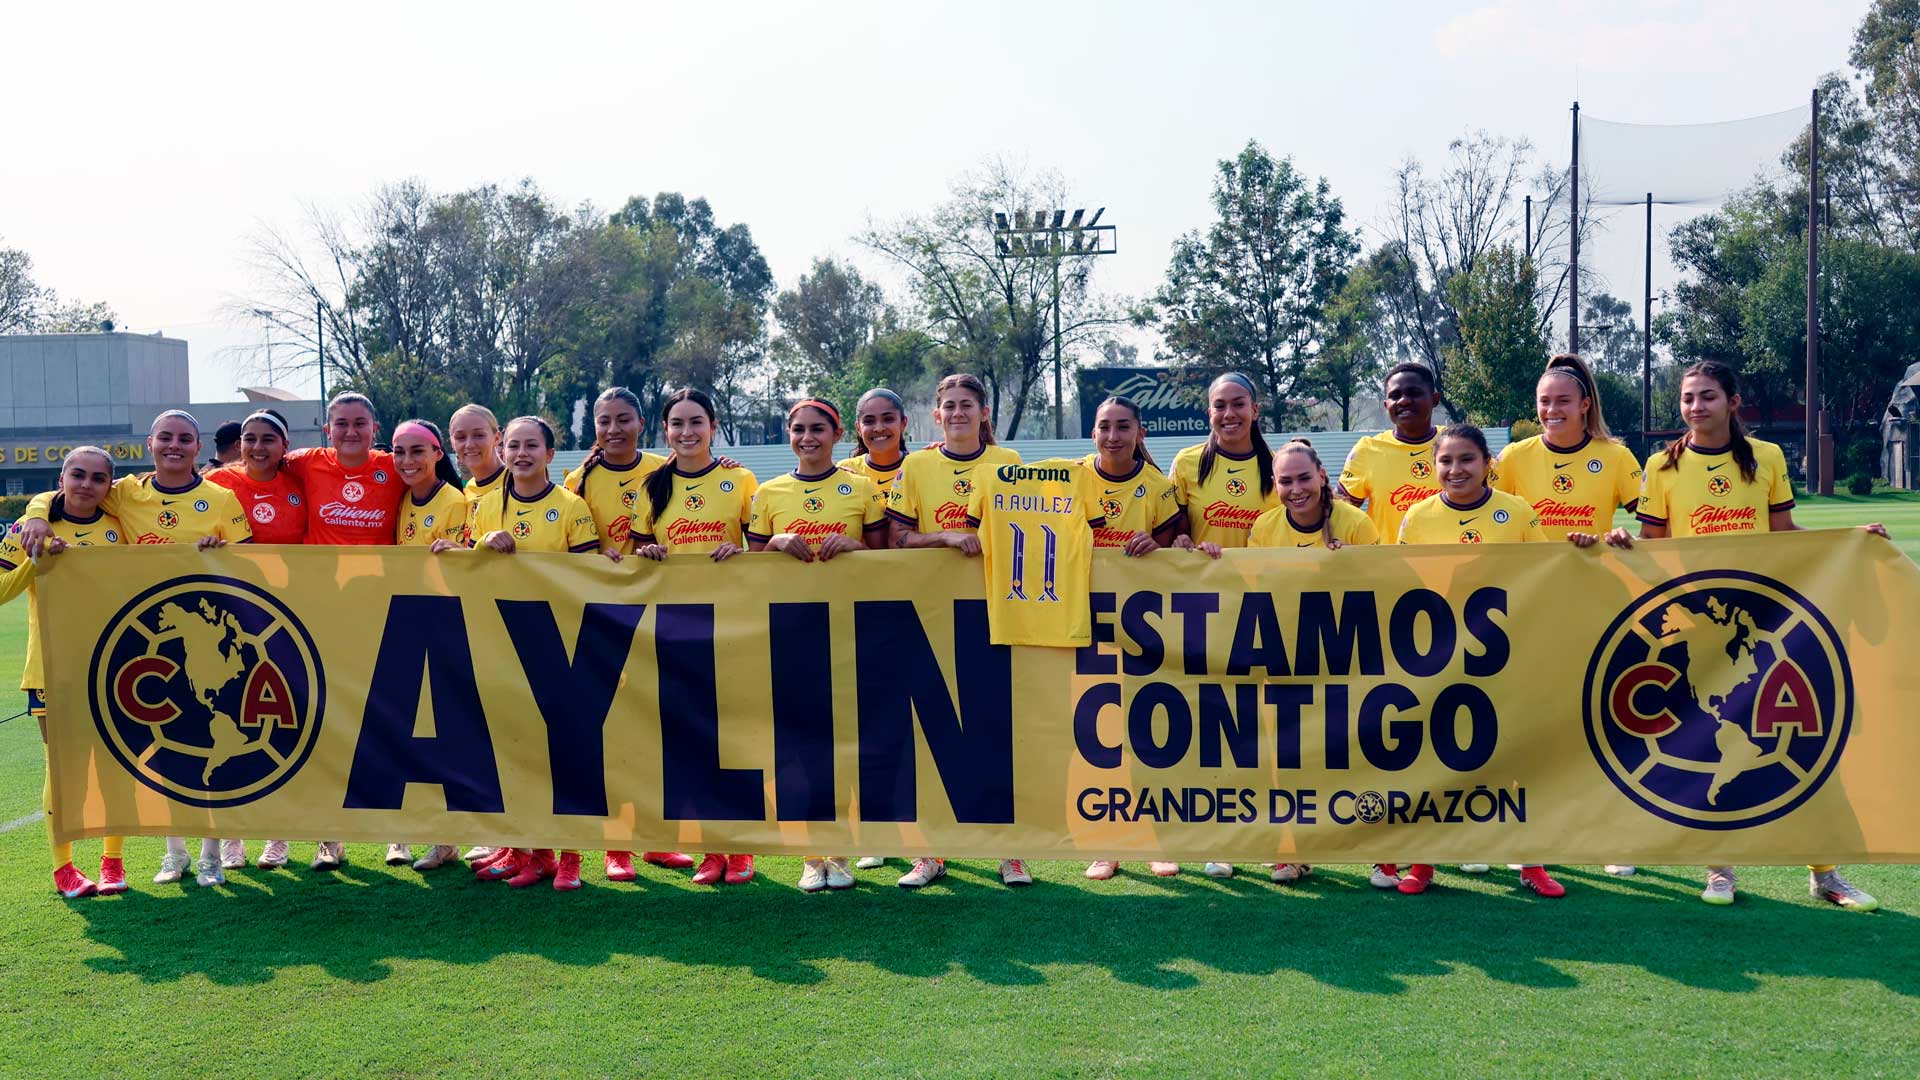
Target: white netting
[(1684, 164)]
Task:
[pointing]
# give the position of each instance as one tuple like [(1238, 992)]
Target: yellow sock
[(112, 846), (1823, 869), (62, 853)]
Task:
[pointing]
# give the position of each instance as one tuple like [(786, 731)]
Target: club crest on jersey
[(963, 486), (208, 690), (1593, 465), (200, 505), (1236, 486), (113, 537), (263, 513), (1719, 700), (1110, 507), (168, 519), (1719, 486), (629, 499), (1562, 483), (845, 489), (1469, 536), (694, 501), (379, 476), (1422, 468), (412, 529), (425, 523), (553, 513), (293, 499), (813, 505), (1500, 517), (352, 491), (521, 530), (726, 485)]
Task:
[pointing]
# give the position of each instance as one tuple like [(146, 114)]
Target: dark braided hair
[(1742, 449), (660, 483), (598, 454)]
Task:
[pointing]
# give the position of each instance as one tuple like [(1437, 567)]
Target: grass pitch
[(388, 972)]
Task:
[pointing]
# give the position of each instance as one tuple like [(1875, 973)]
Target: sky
[(149, 142)]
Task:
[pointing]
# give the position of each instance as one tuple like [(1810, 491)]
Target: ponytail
[(1326, 488), (598, 454), (971, 384), (1140, 451), (1737, 435), (859, 442), (444, 469), (1262, 453), (1571, 365), (660, 481)]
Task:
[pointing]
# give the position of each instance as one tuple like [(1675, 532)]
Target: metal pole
[(1529, 251), (1059, 401), (1573, 258), (1646, 337), (320, 346), (1812, 432)]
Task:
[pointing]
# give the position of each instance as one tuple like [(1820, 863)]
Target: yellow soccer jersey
[(17, 573), (934, 487), (152, 514), (478, 488), (1705, 495), (708, 508), (882, 478), (1224, 506), (1498, 518), (816, 507), (1391, 476), (1142, 501), (1572, 490), (442, 517), (555, 520), (1036, 527), (613, 493), (1275, 529)]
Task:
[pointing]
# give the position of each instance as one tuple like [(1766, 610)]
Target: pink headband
[(412, 428)]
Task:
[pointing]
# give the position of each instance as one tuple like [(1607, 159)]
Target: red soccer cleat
[(1537, 879), (739, 869), (113, 877), (712, 867), (567, 878), (537, 867), (72, 883), (619, 867), (1416, 879), (672, 860), (502, 865)]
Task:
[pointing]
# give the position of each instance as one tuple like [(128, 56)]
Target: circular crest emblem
[(208, 690), (1422, 468), (413, 529), (1719, 700), (1500, 517), (726, 485), (200, 506), (263, 512), (629, 499), (521, 530), (379, 476), (352, 491), (694, 501), (1110, 507), (1593, 465), (1370, 807), (426, 522), (963, 486), (168, 519), (293, 499), (1140, 491), (813, 504), (1719, 486), (1469, 536), (1236, 486), (1562, 483), (553, 513), (845, 489), (113, 537)]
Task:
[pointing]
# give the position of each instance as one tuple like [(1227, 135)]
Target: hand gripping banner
[(1747, 699)]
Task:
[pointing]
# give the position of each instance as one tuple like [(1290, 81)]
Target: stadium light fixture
[(1051, 234)]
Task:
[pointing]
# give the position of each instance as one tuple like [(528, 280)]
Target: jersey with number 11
[(1036, 527)]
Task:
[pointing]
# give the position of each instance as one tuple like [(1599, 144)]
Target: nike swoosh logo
[(957, 472), (520, 513), (1236, 470), (809, 491), (1416, 453), (624, 483), (168, 502), (1464, 520), (1710, 468), (691, 487), (1561, 464), (1112, 491), (79, 536), (1303, 545)]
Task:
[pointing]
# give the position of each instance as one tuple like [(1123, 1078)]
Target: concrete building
[(58, 391)]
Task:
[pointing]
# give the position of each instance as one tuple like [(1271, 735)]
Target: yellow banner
[(1748, 699)]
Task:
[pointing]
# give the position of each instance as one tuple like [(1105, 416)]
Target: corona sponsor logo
[(208, 690), (1719, 700)]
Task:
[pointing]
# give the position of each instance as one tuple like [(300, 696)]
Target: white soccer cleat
[(1218, 869), (173, 867), (1289, 872), (399, 854), (207, 873), (813, 875), (329, 855), (436, 857), (924, 872), (870, 862), (1475, 868), (1720, 886), (1385, 876), (273, 856), (1620, 869), (1834, 889), (838, 876), (233, 854), (1014, 872)]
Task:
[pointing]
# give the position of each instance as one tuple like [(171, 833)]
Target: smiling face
[(1299, 480), (959, 414), (527, 453), (1707, 409), (1409, 404), (1116, 433), (476, 443), (174, 443), (881, 427), (617, 428), (1462, 467), (811, 434), (350, 431), (85, 480), (1231, 414), (262, 448), (1562, 408), (414, 457), (689, 429)]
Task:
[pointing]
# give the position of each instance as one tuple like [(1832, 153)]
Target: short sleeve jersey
[(614, 493), (479, 487), (17, 574), (707, 509), (443, 516), (1391, 475), (348, 506), (1572, 490), (934, 487), (276, 510), (1275, 529), (555, 520), (1141, 501), (1036, 527), (1495, 518), (816, 507), (151, 513), (1705, 495), (882, 476), (1224, 506)]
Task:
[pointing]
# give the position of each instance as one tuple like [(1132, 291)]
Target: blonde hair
[(492, 421)]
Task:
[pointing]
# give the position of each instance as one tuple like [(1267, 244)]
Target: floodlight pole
[(320, 346), (1573, 257), (1646, 337), (1812, 427)]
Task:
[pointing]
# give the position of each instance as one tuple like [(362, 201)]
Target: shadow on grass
[(1334, 928)]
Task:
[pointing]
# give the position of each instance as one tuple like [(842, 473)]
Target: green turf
[(373, 971)]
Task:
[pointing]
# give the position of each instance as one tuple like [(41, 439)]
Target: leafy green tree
[(27, 307), (1359, 345), (1252, 292), (828, 316), (1502, 346)]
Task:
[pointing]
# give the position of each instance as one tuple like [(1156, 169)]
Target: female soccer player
[(1469, 511), (1224, 485), (1573, 473), (173, 504), (1143, 515), (1391, 471), (530, 513), (76, 520), (475, 434), (817, 511), (697, 503), (1683, 479), (928, 508)]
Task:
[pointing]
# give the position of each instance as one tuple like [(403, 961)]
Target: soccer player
[(475, 435), (1142, 515), (1225, 484), (697, 503), (173, 504), (1574, 474), (1391, 471), (1682, 479), (817, 511), (530, 513), (928, 508), (1469, 511), (76, 520), (226, 447)]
